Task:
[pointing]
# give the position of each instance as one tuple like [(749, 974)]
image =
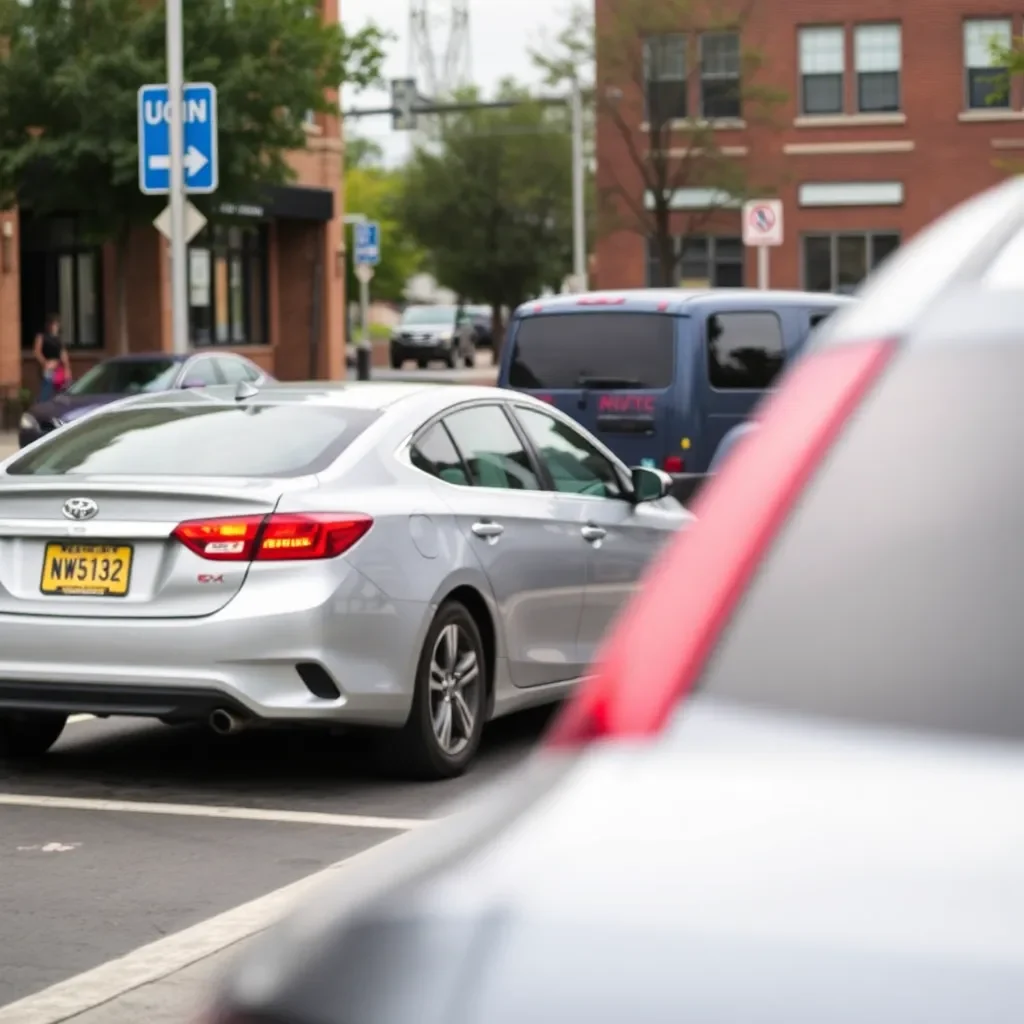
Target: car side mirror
[(193, 383), (650, 484)]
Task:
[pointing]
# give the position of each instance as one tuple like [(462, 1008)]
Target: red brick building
[(892, 115), (267, 281)]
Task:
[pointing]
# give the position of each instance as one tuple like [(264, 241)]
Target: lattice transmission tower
[(440, 57)]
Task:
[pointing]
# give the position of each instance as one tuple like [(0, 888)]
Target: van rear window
[(607, 350)]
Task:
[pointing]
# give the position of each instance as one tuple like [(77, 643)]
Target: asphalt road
[(130, 831)]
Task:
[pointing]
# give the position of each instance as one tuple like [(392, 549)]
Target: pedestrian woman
[(53, 359)]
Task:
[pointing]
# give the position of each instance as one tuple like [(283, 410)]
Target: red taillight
[(657, 650), (274, 538), (674, 464)]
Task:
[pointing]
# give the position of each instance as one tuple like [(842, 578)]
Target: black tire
[(422, 363), (470, 360), (396, 362), (418, 750), (451, 358), (29, 733)]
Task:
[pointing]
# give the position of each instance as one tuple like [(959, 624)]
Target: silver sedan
[(413, 557)]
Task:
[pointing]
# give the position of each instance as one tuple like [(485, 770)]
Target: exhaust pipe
[(224, 722)]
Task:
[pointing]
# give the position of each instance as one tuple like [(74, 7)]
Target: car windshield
[(126, 377), (212, 440), (429, 315)]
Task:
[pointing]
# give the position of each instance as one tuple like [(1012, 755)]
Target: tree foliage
[(668, 145), (70, 73), (492, 203), (377, 191)]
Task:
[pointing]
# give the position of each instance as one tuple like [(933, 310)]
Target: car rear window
[(893, 596), (566, 350), (209, 440)]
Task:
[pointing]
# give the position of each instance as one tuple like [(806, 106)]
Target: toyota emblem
[(79, 509)]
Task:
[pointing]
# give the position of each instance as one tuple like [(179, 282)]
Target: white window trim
[(850, 193)]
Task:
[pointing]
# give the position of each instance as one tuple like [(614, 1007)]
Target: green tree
[(69, 76), (491, 202), (1008, 64), (362, 152), (649, 80), (377, 191)]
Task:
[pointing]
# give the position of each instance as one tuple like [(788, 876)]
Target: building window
[(665, 78), (227, 286), (987, 84), (839, 262), (61, 272), (720, 75), (877, 58), (701, 262), (822, 64)]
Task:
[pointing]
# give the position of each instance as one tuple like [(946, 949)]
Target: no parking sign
[(762, 222)]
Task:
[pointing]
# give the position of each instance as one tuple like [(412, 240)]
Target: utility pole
[(579, 225)]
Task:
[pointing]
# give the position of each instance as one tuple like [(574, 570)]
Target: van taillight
[(675, 464)]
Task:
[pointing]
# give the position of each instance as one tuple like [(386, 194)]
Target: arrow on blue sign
[(199, 121), (367, 239)]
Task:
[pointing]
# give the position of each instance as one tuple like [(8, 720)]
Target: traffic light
[(403, 104)]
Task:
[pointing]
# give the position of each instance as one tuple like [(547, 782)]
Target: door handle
[(593, 533), (488, 530)]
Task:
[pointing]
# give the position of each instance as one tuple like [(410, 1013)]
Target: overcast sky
[(501, 32)]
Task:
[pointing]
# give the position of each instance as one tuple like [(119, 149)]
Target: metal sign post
[(179, 246), (762, 228), (366, 256)]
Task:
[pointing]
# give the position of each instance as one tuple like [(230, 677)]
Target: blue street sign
[(199, 117), (367, 243)]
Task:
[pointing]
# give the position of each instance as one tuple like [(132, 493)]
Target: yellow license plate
[(86, 570)]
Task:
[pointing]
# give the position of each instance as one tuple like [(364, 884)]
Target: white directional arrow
[(194, 162)]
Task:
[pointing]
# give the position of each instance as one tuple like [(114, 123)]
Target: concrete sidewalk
[(180, 998), (8, 443)]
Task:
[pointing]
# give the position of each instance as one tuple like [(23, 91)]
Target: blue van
[(660, 375)]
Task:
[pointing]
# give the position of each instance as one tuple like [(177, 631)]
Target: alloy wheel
[(454, 689)]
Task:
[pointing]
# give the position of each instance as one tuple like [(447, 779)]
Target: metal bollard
[(363, 355)]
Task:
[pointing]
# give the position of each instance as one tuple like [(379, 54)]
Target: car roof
[(677, 300), (142, 357), (378, 395), (959, 280)]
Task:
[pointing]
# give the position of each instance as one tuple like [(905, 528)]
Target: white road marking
[(70, 803), (50, 848), (166, 956)]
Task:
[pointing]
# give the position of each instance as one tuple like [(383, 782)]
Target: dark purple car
[(122, 376)]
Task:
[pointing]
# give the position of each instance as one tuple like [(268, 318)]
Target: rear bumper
[(247, 658), (438, 350)]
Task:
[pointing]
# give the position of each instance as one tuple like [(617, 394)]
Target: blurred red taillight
[(278, 537), (674, 464), (648, 663)]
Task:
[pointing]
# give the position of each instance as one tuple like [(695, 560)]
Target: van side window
[(820, 318), (745, 350)]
